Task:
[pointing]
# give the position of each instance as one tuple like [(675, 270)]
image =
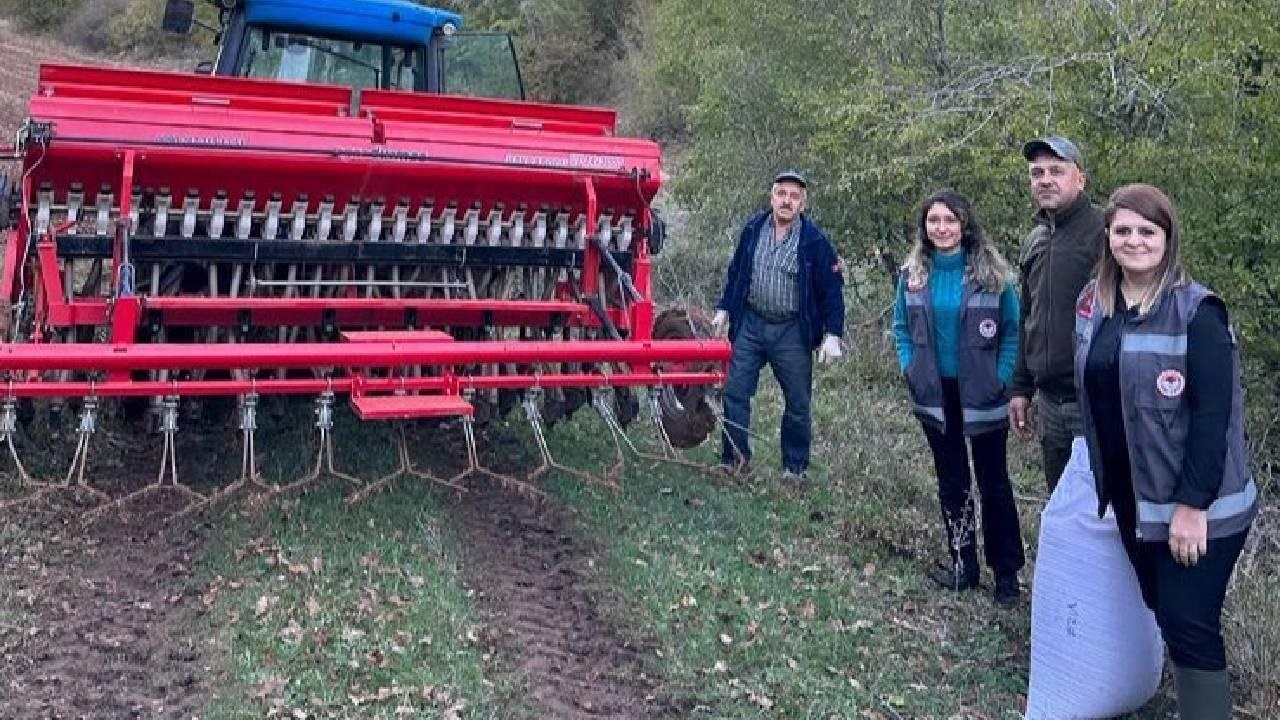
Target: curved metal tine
[(249, 472), (324, 453), (80, 461), (549, 463), (168, 468), (9, 427), (406, 468), (474, 467), (602, 401), (670, 454)]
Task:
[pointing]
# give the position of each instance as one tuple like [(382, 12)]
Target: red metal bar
[(204, 312), (343, 385), (122, 226), (642, 276), (590, 260), (222, 311), (51, 280), (101, 357)]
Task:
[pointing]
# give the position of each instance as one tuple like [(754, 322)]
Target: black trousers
[(1001, 532), (1187, 601)]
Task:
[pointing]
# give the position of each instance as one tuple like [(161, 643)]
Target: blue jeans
[(784, 348)]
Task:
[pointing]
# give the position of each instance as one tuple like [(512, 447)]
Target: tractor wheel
[(686, 416)]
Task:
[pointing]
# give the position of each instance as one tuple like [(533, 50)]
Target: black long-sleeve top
[(1209, 396)]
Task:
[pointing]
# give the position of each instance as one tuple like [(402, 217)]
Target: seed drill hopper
[(172, 237)]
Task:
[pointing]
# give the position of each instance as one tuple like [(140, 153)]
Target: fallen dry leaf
[(760, 699), (264, 604), (269, 686)]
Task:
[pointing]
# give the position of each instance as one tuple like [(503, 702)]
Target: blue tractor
[(382, 44)]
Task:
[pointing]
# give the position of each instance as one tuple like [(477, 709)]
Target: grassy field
[(759, 599), (753, 599)]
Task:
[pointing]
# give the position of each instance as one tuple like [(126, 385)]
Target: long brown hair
[(984, 265), (1155, 206)]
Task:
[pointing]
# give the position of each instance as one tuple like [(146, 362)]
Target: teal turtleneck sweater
[(946, 292)]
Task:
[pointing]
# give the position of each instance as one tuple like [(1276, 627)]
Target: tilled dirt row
[(533, 578), (104, 633), (109, 613)]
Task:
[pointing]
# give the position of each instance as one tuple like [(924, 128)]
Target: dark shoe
[(1007, 591), (734, 470), (954, 579), (1203, 695)]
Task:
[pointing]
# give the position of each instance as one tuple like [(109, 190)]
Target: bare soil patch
[(104, 615), (533, 576), (106, 623)]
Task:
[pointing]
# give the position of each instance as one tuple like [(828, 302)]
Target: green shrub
[(40, 15)]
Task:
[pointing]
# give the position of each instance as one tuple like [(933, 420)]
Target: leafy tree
[(883, 101)]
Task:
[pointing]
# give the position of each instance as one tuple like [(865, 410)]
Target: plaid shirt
[(775, 290)]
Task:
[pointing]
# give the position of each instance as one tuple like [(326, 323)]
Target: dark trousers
[(1002, 535), (1187, 601), (786, 351), (1059, 424)]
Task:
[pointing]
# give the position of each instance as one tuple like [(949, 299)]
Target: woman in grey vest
[(956, 326), (1158, 375)]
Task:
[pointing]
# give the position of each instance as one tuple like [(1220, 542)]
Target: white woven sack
[(1096, 651)]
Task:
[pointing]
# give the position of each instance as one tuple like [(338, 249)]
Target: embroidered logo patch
[(1084, 306), (987, 328), (1171, 383)]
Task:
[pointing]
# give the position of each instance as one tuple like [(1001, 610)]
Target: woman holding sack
[(956, 326), (1158, 374)]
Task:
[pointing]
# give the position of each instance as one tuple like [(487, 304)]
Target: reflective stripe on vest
[(1224, 507), (1155, 343)]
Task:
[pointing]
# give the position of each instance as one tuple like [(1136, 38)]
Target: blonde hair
[(984, 265), (1152, 204)]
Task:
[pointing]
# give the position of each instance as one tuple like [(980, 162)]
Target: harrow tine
[(324, 454), (74, 479), (9, 427), (168, 468), (475, 467), (602, 401), (249, 472), (549, 463), (406, 468), (79, 462), (668, 452)]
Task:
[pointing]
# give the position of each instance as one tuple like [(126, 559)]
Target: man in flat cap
[(783, 299), (1057, 260)]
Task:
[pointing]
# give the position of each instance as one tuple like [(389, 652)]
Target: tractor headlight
[(448, 29)]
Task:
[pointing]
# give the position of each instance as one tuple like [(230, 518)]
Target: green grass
[(772, 602), (336, 611), (757, 600), (769, 601)]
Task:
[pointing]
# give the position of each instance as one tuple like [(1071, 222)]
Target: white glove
[(830, 349), (720, 323)]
